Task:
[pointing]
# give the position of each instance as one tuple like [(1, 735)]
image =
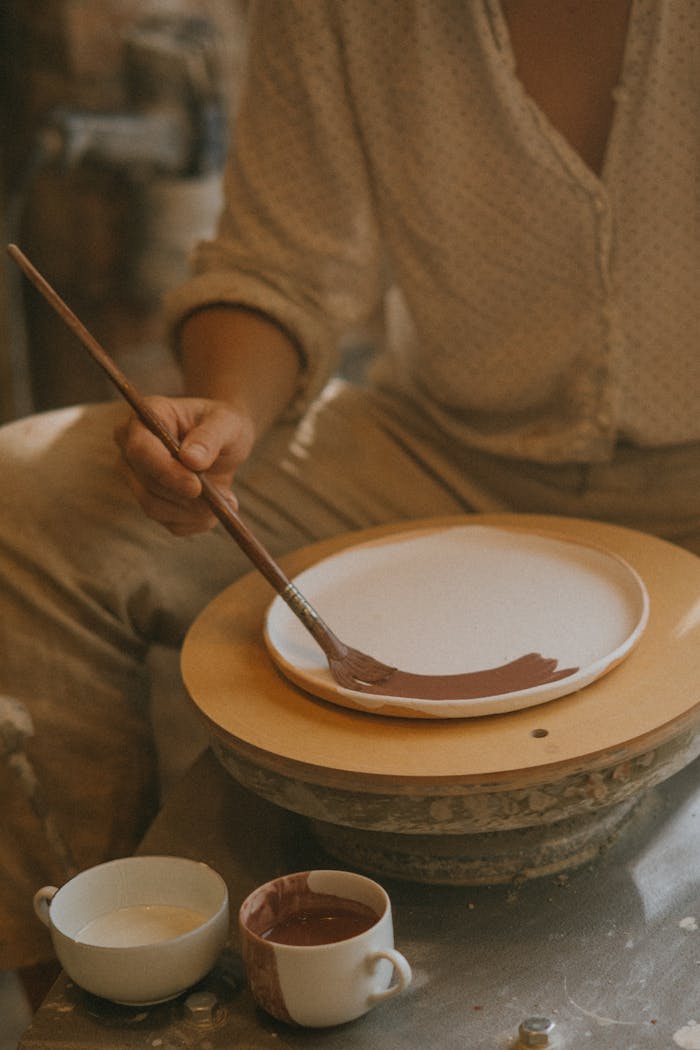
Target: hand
[(213, 439)]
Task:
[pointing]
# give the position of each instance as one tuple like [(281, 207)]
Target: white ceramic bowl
[(138, 930)]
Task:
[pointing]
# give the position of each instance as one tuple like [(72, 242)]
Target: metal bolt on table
[(201, 1008), (536, 1031)]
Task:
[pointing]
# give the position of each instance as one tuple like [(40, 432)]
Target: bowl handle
[(42, 900)]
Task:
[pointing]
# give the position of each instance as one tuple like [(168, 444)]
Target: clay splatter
[(688, 1037)]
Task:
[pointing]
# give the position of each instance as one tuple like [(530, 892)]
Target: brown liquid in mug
[(322, 925)]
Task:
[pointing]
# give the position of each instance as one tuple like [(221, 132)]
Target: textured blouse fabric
[(387, 157)]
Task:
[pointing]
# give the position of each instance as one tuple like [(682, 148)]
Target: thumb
[(200, 448)]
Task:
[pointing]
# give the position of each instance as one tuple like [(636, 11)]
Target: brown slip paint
[(526, 672)]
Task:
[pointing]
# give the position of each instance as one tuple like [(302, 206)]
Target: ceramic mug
[(138, 930), (318, 947)]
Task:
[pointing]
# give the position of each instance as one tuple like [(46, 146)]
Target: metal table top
[(609, 953)]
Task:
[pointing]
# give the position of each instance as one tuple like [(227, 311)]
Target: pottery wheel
[(461, 800)]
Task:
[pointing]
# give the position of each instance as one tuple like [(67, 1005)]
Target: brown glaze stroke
[(524, 673)]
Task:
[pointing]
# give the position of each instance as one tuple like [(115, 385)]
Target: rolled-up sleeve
[(297, 239)]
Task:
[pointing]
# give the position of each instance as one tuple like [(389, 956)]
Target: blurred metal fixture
[(175, 123)]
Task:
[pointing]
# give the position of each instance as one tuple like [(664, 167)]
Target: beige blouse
[(387, 157)]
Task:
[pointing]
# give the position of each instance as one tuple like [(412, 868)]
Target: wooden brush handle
[(220, 506)]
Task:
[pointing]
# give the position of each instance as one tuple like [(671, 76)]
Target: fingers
[(150, 462), (166, 489), (180, 517)]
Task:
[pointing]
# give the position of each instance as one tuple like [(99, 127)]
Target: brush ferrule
[(300, 607)]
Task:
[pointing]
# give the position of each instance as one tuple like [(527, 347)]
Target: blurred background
[(115, 123), (116, 116)]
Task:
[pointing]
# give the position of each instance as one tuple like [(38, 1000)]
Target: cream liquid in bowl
[(139, 924)]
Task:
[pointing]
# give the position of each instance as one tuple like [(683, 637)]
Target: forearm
[(235, 355)]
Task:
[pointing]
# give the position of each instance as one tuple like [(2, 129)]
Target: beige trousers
[(88, 584)]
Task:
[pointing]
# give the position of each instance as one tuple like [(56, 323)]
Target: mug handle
[(402, 970), (42, 900)]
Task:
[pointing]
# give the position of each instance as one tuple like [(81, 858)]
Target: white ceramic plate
[(460, 599)]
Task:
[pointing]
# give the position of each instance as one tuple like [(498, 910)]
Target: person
[(508, 193)]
